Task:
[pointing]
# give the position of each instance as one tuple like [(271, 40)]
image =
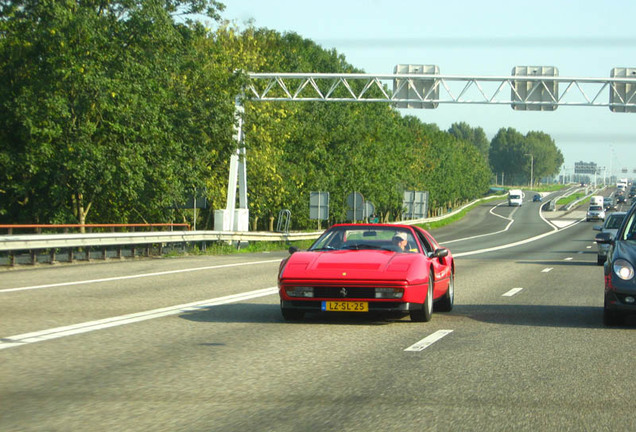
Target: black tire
[(600, 260), (611, 318), (445, 304), (426, 312), (292, 314)]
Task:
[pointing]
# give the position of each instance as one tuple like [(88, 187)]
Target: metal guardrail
[(10, 244), (589, 193), (48, 248), (62, 241), (550, 205)]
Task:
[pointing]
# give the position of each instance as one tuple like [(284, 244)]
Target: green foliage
[(570, 198), (104, 112), (510, 153), (475, 136), (550, 187)]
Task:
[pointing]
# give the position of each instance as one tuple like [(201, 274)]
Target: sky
[(583, 39)]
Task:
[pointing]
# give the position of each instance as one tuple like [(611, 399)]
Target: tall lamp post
[(531, 167)]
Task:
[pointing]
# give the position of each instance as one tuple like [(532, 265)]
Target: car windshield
[(629, 232), (364, 237), (596, 208)]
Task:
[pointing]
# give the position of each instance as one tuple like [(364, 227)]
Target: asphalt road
[(198, 344)]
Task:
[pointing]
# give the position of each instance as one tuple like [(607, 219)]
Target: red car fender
[(442, 275)]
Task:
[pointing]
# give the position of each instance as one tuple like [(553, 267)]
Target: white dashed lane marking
[(512, 292), (428, 340)]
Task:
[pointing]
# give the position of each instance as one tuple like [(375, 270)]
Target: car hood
[(625, 249), (354, 265)]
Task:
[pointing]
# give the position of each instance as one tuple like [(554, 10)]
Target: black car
[(609, 205), (620, 283)]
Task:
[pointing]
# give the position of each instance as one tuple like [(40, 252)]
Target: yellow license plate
[(345, 306)]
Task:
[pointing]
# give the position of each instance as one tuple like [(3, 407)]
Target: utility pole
[(531, 168)]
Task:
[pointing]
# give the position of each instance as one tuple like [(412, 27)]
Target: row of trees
[(116, 111), (522, 157), (516, 157)]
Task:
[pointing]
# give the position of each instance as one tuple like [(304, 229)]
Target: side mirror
[(604, 238), (597, 227), (440, 253), (292, 249)]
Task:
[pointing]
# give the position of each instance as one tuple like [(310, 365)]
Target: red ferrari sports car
[(368, 268)]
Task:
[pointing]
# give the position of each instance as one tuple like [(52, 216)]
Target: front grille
[(344, 292)]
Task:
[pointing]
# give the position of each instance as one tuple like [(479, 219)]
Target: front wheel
[(426, 312), (611, 317)]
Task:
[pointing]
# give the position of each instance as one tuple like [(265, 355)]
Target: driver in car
[(399, 242)]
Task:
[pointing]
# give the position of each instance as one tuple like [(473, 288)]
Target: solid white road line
[(512, 292), (555, 229), (428, 340), (54, 333), (547, 270), (487, 234), (143, 275)]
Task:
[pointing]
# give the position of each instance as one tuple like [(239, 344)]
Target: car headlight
[(299, 291), (389, 293), (623, 269)]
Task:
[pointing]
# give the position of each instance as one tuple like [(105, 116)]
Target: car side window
[(614, 222), (425, 243)]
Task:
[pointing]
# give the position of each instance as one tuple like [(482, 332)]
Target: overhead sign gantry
[(528, 88), (422, 86)]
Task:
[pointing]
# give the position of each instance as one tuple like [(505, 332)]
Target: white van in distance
[(596, 200), (622, 184), (515, 197)]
